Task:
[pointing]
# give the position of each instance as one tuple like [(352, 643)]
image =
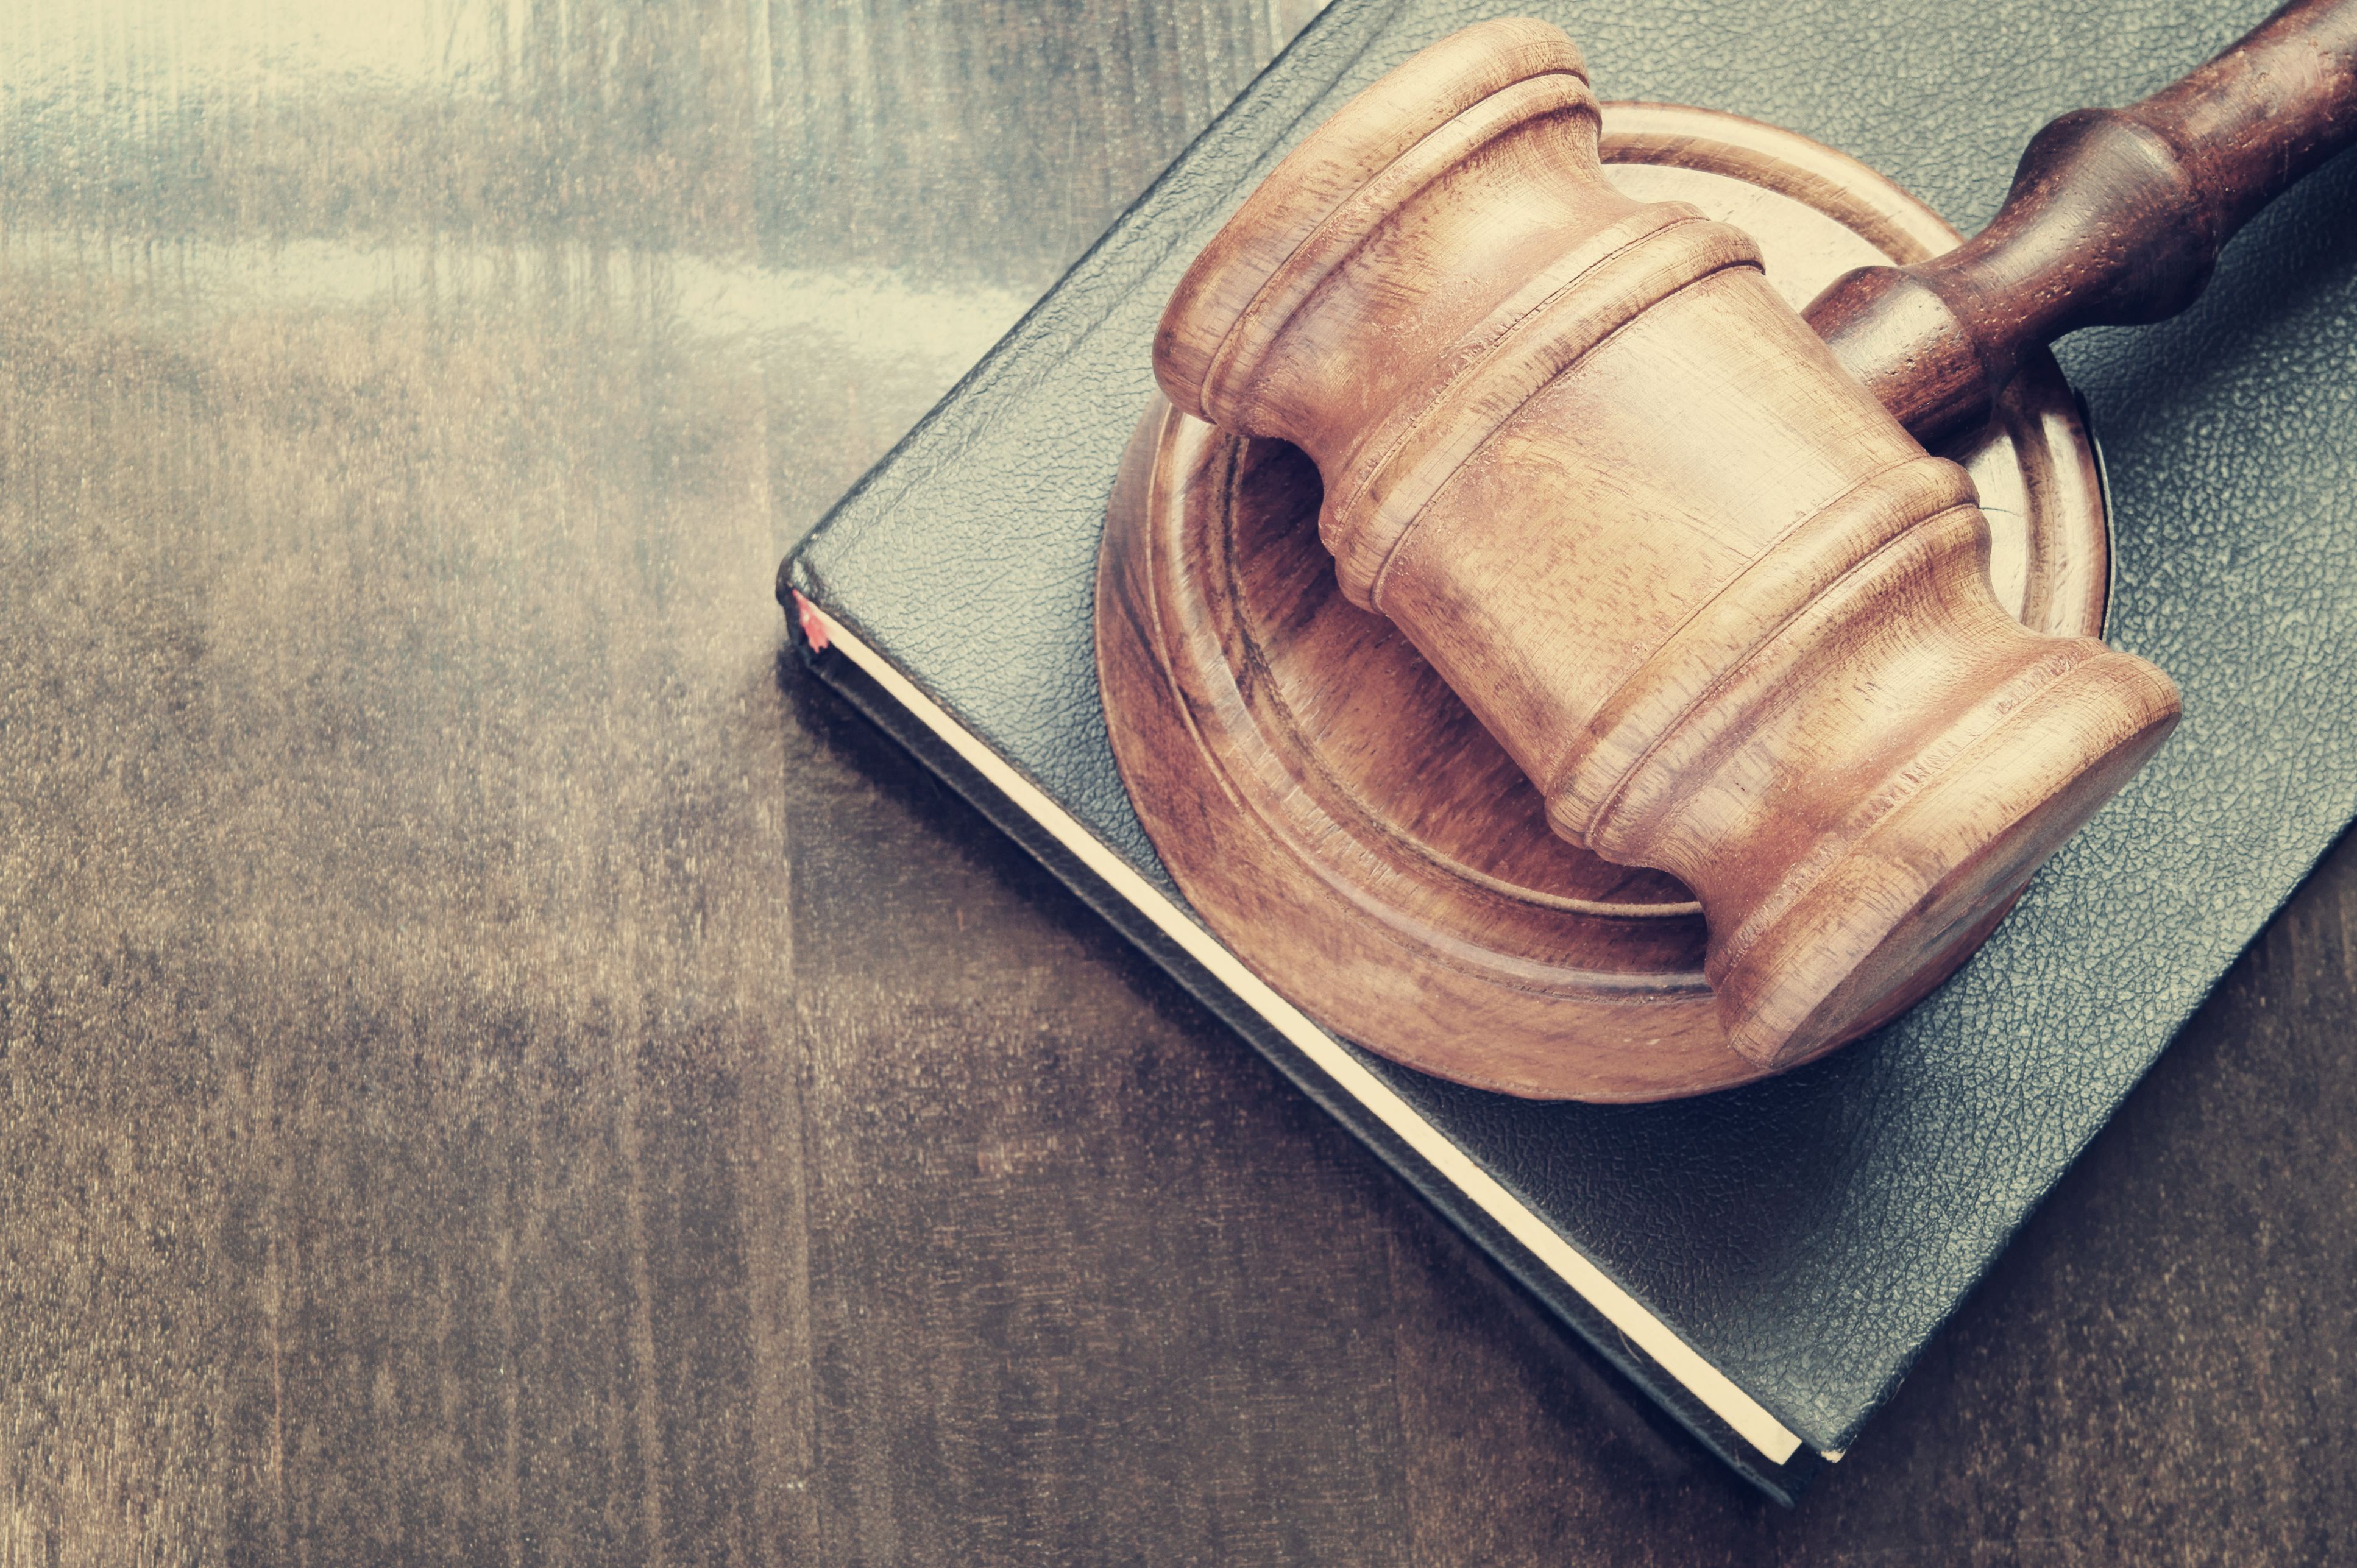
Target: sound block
[(1340, 820)]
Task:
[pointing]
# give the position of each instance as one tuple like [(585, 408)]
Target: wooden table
[(495, 1066)]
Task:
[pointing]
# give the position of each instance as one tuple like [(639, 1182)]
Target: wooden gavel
[(1693, 574)]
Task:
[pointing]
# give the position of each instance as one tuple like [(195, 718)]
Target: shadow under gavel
[(1700, 581)]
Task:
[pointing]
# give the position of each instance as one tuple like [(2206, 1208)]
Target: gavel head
[(1730, 618)]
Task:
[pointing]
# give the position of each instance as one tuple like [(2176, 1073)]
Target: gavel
[(1675, 545)]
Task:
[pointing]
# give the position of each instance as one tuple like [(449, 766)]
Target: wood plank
[(1064, 1303), (494, 1070)]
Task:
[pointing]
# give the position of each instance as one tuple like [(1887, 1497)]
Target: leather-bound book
[(1769, 1261)]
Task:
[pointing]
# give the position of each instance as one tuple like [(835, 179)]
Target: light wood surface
[(1728, 616), (1285, 745)]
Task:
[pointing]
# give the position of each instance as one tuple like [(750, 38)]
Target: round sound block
[(1342, 821)]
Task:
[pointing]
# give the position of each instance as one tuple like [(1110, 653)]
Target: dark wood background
[(495, 1068)]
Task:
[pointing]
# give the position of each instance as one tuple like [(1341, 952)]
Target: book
[(1765, 1263)]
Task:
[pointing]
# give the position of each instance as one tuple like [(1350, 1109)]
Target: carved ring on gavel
[(1727, 614)]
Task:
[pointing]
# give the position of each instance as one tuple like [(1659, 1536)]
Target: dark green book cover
[(1766, 1262)]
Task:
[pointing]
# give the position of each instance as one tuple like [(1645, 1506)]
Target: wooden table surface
[(496, 1068)]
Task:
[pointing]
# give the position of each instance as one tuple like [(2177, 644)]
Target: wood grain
[(1341, 814), (1730, 618), (396, 805)]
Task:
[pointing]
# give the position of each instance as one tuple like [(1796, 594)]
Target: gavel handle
[(2117, 216)]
